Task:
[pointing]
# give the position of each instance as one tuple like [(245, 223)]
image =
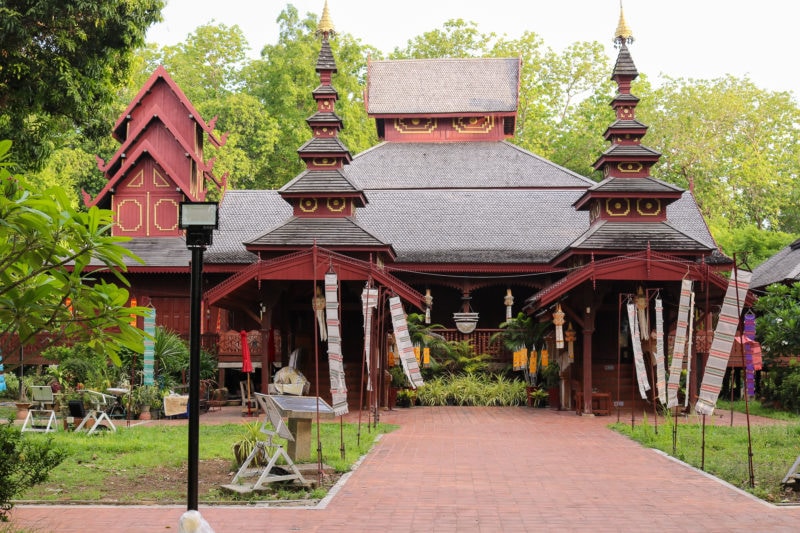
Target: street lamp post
[(199, 219)]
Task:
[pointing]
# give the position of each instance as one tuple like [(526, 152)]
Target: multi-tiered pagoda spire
[(619, 197)]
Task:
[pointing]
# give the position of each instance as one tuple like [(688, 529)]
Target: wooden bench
[(601, 403)]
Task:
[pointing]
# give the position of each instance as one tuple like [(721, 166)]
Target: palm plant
[(521, 332)]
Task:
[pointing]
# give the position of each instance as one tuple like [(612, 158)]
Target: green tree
[(778, 321), (49, 255), (751, 245), (738, 146), (62, 65), (284, 77)]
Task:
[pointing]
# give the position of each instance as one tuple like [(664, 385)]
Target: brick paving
[(477, 470)]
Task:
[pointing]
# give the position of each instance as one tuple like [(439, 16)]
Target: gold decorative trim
[(120, 205), (336, 205), (648, 207), (629, 167), (618, 207), (473, 125), (308, 205), (155, 214), (416, 125), (324, 161), (159, 180), (137, 181)]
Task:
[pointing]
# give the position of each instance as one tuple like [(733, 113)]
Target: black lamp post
[(199, 219)]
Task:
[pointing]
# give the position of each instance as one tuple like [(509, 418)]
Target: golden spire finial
[(325, 25), (623, 33)]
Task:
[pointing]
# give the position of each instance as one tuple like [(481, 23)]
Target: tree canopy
[(49, 255), (62, 63)]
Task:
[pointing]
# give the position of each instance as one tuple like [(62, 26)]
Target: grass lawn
[(147, 464), (775, 448)]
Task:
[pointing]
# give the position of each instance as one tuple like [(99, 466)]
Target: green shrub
[(472, 389), (23, 464)]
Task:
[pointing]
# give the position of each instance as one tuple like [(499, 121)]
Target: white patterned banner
[(403, 340), (335, 364), (661, 378), (369, 301), (680, 344), (638, 357), (722, 344), (689, 345)]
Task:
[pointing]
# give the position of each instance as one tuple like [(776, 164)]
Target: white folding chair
[(41, 417), (98, 413), (268, 449)]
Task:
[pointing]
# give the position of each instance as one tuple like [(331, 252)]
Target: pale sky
[(679, 38)]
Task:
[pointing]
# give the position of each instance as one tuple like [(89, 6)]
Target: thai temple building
[(443, 213)]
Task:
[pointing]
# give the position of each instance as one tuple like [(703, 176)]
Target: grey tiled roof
[(456, 165), (630, 150), (660, 236), (330, 145), (243, 216), (428, 226), (319, 181), (628, 185), (624, 65), (168, 252), (326, 232), (627, 125), (325, 90), (325, 60), (432, 86), (474, 225), (781, 267), (323, 117)]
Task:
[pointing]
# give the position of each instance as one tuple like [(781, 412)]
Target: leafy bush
[(472, 389), (23, 464)]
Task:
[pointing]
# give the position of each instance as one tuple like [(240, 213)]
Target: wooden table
[(601, 403), (301, 410)]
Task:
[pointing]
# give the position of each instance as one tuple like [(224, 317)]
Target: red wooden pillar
[(588, 330)]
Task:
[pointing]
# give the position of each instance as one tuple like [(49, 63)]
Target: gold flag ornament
[(545, 357)]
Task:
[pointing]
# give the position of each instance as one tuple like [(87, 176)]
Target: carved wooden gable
[(146, 203)]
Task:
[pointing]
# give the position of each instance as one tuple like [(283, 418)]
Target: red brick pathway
[(479, 470)]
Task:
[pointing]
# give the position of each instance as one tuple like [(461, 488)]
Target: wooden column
[(588, 330)]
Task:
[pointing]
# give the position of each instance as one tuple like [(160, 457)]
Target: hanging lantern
[(508, 301), (532, 362), (570, 336), (426, 357), (641, 314), (134, 303), (428, 305), (515, 365), (318, 303), (545, 357), (558, 321), (417, 352)]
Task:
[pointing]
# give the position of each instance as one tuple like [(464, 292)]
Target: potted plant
[(249, 434), (406, 397), (537, 397), (143, 398), (551, 378)]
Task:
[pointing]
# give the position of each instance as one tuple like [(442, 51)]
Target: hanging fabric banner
[(689, 347), (149, 345), (680, 344), (2, 376), (369, 301), (403, 340), (638, 356), (721, 346), (335, 364), (661, 378), (748, 339)]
